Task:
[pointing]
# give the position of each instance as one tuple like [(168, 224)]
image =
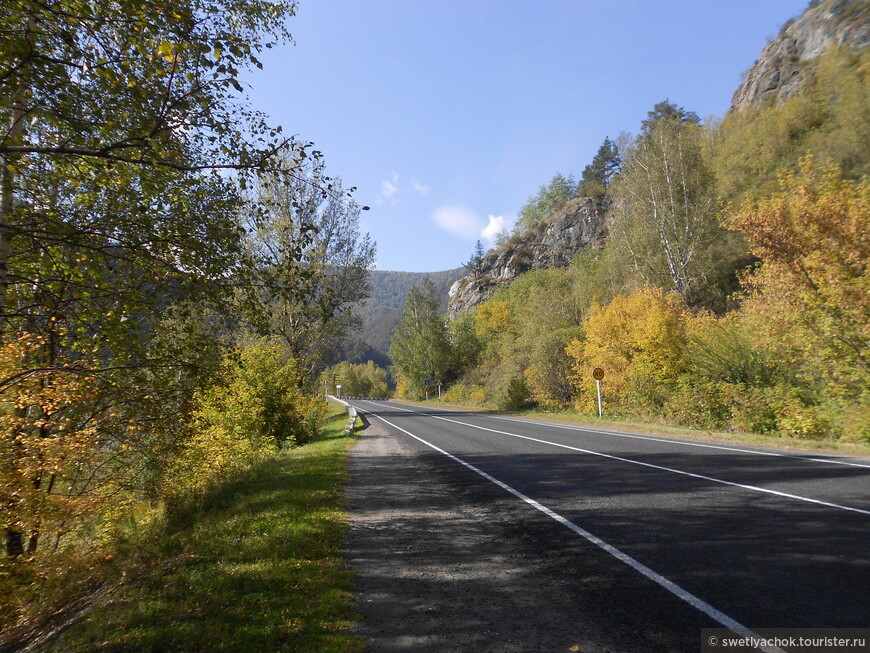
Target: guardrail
[(351, 413)]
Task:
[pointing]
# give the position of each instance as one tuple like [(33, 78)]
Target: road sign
[(598, 373), (427, 382)]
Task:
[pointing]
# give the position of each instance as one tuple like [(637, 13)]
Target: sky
[(448, 115)]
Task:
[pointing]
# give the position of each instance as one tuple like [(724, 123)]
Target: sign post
[(598, 374), (338, 389), (426, 383)]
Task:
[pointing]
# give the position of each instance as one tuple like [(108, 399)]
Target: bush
[(465, 393), (639, 341), (752, 409), (517, 395), (255, 409), (802, 421), (701, 405)]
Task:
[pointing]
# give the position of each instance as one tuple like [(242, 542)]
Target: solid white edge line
[(676, 441), (683, 594), (754, 452), (753, 488)]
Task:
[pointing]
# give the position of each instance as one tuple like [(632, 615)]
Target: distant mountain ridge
[(381, 312)]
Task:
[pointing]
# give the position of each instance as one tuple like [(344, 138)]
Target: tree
[(420, 347), (810, 297), (666, 211), (118, 116), (465, 347), (669, 112), (549, 198), (473, 265), (357, 380), (494, 327), (147, 83), (549, 372), (597, 176), (307, 250), (639, 341)]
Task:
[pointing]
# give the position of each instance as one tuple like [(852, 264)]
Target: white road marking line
[(686, 443), (670, 586), (753, 488), (830, 461)]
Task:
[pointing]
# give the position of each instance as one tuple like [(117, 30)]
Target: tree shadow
[(446, 560)]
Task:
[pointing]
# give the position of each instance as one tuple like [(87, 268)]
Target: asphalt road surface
[(480, 532)]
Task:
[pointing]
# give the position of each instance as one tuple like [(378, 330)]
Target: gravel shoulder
[(445, 562)]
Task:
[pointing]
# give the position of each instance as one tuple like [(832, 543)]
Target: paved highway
[(668, 536)]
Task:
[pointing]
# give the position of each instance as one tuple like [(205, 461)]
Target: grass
[(260, 568), (654, 428)]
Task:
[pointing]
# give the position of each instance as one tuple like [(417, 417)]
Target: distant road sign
[(598, 373), (427, 382)]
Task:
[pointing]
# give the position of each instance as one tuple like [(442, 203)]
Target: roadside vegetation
[(257, 564), (732, 293), (174, 274)]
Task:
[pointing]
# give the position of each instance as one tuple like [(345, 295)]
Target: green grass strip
[(260, 569)]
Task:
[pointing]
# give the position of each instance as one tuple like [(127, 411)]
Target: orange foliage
[(48, 441), (810, 297)]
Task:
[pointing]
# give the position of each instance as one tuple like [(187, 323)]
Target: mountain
[(782, 69), (551, 243), (381, 312), (791, 58)]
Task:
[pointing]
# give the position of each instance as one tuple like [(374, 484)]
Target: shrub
[(700, 404), (257, 408), (802, 421), (752, 409), (639, 341), (517, 395)]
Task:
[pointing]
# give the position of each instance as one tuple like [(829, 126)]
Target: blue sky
[(447, 115)]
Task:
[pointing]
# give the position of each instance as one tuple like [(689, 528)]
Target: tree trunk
[(7, 181)]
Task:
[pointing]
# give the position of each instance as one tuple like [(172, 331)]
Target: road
[(615, 541)]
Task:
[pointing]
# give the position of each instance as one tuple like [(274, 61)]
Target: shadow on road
[(448, 561)]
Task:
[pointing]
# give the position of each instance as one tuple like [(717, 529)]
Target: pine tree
[(597, 176)]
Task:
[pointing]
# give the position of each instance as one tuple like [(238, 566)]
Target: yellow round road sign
[(598, 373)]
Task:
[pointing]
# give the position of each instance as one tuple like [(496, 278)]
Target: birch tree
[(307, 250), (666, 214)]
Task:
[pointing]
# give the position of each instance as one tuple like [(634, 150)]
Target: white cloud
[(458, 221), (417, 187), (497, 224), (389, 189)]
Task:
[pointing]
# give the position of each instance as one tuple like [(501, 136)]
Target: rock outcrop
[(552, 243), (787, 61)]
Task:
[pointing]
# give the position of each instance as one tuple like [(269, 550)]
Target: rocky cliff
[(780, 71), (787, 61), (551, 243)]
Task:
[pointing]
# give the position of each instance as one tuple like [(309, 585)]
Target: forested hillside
[(733, 289), (380, 313)]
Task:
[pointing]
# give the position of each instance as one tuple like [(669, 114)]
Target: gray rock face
[(552, 243), (786, 62)]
